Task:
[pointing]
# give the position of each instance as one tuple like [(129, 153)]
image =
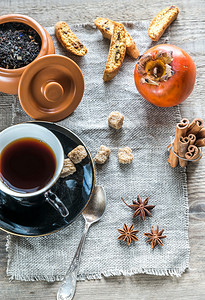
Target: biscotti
[(131, 47), (106, 27), (116, 52), (69, 40), (161, 21)]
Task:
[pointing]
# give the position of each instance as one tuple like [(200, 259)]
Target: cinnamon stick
[(200, 142), (192, 139), (193, 152), (195, 126), (182, 149), (201, 134), (181, 130)]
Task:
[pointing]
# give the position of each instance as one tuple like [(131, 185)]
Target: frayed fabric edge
[(97, 276), (157, 272)]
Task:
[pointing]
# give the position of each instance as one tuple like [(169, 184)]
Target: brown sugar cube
[(68, 168), (77, 154), (125, 155), (115, 120), (102, 155)]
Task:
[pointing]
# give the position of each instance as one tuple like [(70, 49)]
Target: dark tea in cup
[(27, 165), (31, 161)]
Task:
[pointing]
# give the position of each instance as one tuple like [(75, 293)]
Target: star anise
[(127, 234), (155, 237), (141, 208)]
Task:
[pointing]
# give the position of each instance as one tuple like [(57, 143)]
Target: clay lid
[(51, 88)]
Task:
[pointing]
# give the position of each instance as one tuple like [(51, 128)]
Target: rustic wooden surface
[(187, 32)]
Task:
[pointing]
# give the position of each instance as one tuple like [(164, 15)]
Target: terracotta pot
[(9, 78)]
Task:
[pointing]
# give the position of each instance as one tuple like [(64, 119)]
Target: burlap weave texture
[(146, 131)]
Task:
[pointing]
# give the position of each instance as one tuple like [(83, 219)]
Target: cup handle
[(52, 199)]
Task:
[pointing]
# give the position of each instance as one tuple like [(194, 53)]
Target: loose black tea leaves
[(19, 45)]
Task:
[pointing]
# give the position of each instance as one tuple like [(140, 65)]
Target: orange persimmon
[(165, 75)]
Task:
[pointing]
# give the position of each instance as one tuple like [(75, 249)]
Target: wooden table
[(188, 32)]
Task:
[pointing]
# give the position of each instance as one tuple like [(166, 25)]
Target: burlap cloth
[(146, 131)]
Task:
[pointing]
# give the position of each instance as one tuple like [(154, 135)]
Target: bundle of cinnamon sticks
[(189, 137)]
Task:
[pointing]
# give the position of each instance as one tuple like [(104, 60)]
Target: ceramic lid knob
[(51, 87), (53, 91)]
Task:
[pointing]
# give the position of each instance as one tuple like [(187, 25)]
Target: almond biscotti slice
[(68, 39), (116, 52), (106, 27), (161, 21), (131, 47)]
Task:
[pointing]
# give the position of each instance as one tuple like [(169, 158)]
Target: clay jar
[(9, 78)]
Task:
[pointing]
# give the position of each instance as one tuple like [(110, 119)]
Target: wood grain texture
[(186, 32)]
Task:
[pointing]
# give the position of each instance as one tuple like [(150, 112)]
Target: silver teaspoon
[(92, 213)]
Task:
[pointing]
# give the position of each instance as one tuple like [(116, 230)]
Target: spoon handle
[(67, 289)]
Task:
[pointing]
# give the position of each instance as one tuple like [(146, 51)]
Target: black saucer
[(74, 191)]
